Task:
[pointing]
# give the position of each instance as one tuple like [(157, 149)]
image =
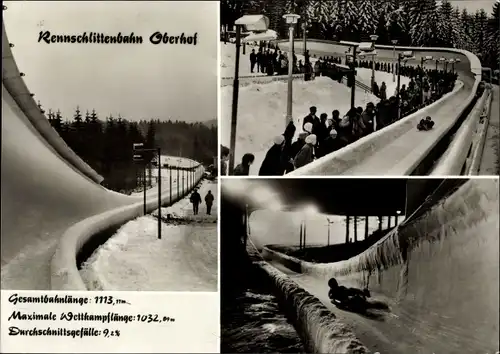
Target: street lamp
[(453, 61), (139, 151), (422, 62), (352, 54), (401, 56), (309, 210), (394, 42), (442, 60), (329, 223), (304, 35), (373, 38), (256, 23), (397, 215), (291, 20)]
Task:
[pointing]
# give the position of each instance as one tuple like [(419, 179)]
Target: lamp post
[(236, 88), (442, 60), (453, 62), (329, 223), (354, 50), (170, 182), (291, 20), (394, 42), (373, 38), (258, 23), (178, 172), (138, 155), (422, 62), (304, 36), (397, 215), (401, 56)]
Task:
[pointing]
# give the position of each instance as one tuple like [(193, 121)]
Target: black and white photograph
[(406, 265), (109, 145), (364, 88)]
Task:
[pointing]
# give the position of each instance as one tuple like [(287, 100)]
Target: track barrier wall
[(319, 329), (443, 263)]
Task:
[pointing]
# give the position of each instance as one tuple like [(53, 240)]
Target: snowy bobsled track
[(43, 193), (434, 280), (399, 149)]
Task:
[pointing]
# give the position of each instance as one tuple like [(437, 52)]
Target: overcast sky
[(138, 81), (474, 5)]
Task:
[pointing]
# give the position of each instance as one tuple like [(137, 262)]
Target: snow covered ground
[(262, 107), (185, 259)]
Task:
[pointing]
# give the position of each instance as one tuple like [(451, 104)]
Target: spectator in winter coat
[(195, 199), (383, 91), (243, 169), (209, 201), (375, 89), (298, 144), (306, 154), (271, 166), (332, 143), (367, 118), (310, 118), (253, 60), (286, 151), (224, 151)]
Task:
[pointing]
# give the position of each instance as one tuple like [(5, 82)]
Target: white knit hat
[(333, 133), (279, 139), (308, 127), (311, 139)]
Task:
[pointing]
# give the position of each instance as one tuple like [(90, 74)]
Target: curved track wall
[(439, 273)]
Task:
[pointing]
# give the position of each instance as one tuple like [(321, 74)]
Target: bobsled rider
[(425, 124), (343, 294)]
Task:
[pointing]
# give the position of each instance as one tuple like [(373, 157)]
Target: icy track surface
[(444, 298), (185, 259)]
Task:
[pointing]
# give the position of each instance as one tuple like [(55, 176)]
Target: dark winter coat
[(209, 199), (195, 198), (330, 145), (296, 147), (304, 156), (271, 166), (241, 170)]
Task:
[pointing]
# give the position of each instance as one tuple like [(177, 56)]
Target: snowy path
[(185, 259), (490, 164)]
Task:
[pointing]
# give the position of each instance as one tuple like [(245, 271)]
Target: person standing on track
[(196, 200), (209, 201)]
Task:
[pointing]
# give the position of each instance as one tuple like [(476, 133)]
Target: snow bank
[(444, 264), (262, 110), (319, 329), (64, 272)]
